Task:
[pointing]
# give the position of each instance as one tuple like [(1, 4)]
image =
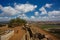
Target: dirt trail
[(17, 34), (48, 35)]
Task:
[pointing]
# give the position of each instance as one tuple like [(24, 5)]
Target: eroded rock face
[(40, 34), (31, 36), (7, 35)]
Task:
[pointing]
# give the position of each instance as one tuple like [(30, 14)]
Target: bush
[(16, 22)]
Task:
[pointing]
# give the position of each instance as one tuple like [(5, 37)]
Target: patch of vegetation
[(16, 22), (49, 26)]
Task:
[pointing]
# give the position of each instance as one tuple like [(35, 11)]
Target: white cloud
[(32, 17), (51, 15), (48, 5), (36, 13), (43, 18), (23, 16), (17, 9), (21, 9), (25, 7), (54, 13), (40, 18), (48, 18), (15, 4), (9, 10), (5, 18), (1, 7), (43, 11)]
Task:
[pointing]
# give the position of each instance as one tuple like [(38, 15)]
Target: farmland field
[(49, 26)]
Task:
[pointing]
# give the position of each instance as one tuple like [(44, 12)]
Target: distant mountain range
[(41, 22), (45, 22), (4, 22)]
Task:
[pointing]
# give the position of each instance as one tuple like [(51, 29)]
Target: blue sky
[(35, 10)]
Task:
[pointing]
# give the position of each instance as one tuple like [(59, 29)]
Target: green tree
[(17, 22)]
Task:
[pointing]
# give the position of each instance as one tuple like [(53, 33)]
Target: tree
[(17, 22)]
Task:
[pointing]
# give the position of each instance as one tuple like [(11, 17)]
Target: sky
[(32, 10)]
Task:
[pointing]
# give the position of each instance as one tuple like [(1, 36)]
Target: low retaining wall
[(7, 36)]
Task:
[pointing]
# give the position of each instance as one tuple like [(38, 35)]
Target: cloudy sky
[(35, 10)]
